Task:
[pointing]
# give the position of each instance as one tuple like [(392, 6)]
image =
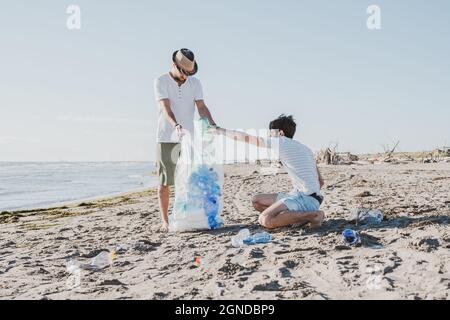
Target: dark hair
[(285, 123)]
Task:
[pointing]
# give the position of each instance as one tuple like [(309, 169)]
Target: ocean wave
[(34, 184)]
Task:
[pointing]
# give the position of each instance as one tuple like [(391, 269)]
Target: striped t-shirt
[(299, 163)]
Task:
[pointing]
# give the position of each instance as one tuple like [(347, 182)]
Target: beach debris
[(437, 155), (103, 260), (334, 157), (390, 155), (390, 151), (197, 260), (244, 237), (261, 237), (121, 248), (366, 216), (350, 237), (238, 240)]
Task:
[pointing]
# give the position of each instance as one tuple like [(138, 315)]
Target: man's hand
[(321, 182), (218, 130), (204, 112), (179, 129)]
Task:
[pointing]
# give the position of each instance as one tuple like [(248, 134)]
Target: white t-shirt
[(299, 163), (182, 102)]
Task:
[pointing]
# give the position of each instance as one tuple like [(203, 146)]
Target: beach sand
[(407, 256)]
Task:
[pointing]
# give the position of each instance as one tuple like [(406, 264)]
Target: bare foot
[(163, 228), (318, 220)]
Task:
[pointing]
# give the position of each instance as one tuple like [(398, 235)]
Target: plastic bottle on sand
[(262, 237), (238, 240), (350, 237)]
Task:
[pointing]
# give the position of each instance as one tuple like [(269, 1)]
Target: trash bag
[(198, 183)]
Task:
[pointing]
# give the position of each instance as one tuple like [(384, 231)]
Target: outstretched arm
[(242, 136)]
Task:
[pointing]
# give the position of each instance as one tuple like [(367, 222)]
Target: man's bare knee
[(256, 204), (255, 200), (163, 191)]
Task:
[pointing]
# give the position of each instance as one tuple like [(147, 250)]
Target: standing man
[(177, 93)]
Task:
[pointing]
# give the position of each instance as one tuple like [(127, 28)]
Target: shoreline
[(238, 167), (74, 203)]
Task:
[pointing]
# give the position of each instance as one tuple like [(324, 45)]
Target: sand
[(407, 256)]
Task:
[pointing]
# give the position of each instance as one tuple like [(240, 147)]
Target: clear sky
[(87, 95)]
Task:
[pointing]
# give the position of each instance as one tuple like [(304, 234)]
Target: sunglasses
[(187, 74)]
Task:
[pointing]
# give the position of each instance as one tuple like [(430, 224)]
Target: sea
[(34, 185)]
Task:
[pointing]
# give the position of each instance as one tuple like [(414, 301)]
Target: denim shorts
[(299, 201)]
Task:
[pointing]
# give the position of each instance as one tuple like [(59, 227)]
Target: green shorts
[(167, 155)]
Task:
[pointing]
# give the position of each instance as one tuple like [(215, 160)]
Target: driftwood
[(329, 156), (389, 153), (436, 155)]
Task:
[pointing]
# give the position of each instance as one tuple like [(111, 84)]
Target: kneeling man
[(301, 205)]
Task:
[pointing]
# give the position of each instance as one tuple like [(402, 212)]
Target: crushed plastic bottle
[(350, 237), (374, 217), (73, 265), (238, 240), (262, 237), (101, 261), (122, 248), (367, 216)]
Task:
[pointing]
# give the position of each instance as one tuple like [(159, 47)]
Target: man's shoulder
[(288, 142), (194, 80), (163, 78)]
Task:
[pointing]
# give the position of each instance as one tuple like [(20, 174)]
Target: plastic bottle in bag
[(198, 183)]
